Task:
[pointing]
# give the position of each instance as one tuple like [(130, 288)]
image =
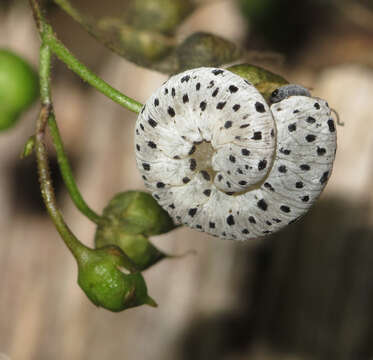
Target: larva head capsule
[(286, 91), (219, 159)]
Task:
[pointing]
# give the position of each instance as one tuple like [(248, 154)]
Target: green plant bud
[(139, 46), (158, 15), (203, 49), (128, 220), (138, 213), (110, 280), (265, 81), (19, 87)]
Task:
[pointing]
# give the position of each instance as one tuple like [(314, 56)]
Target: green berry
[(110, 280), (128, 220), (19, 87)]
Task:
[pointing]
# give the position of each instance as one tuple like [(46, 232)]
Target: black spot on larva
[(137, 147), (156, 196), (220, 177), (276, 220), (305, 167), (247, 167), (239, 171), (177, 157), (142, 127), (205, 175), (282, 169), (156, 102), (228, 184), (223, 233), (211, 225), (193, 164), (173, 92), (221, 105), (144, 177), (285, 151), (285, 208), (198, 86), (262, 205), (212, 83), (311, 120), (245, 231), (233, 89), (244, 126), (317, 106), (185, 98), (192, 150), (217, 71), (165, 91), (320, 151), (295, 111), (272, 133), (137, 132), (143, 109), (259, 107), (257, 135), (331, 125), (215, 92), (268, 223), (228, 172), (203, 105), (228, 124), (292, 127), (230, 220), (267, 232), (310, 138), (207, 192), (305, 198), (299, 185), (146, 166), (324, 177), (232, 159), (242, 182), (268, 186), (237, 137), (171, 111), (192, 212), (198, 226), (245, 152), (186, 180), (172, 206), (262, 164), (185, 78), (236, 107), (252, 220), (160, 185), (152, 144)]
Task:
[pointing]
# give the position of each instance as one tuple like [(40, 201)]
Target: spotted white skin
[(220, 160)]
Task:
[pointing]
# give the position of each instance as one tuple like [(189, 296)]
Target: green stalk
[(73, 64), (66, 172), (75, 246)]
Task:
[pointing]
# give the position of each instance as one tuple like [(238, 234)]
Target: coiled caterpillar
[(219, 159)]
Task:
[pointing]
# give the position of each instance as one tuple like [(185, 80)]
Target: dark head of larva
[(286, 91)]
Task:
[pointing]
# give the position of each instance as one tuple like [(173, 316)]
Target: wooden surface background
[(304, 293)]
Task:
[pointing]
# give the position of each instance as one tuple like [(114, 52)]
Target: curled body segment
[(220, 160)]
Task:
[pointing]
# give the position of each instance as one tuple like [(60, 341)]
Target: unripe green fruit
[(265, 81), (104, 277), (128, 220), (204, 49), (19, 87)]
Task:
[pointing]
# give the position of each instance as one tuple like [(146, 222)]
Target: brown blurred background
[(306, 293)]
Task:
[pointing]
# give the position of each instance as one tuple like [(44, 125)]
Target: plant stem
[(66, 172), (73, 64), (75, 246)]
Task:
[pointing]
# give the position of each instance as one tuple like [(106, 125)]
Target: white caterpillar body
[(220, 160)]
